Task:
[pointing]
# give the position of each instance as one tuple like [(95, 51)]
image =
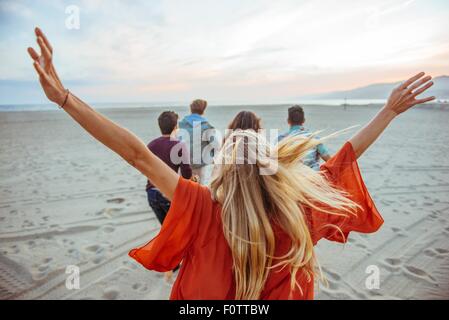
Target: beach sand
[(67, 200)]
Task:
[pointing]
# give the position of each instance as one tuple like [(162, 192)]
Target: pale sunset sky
[(224, 51)]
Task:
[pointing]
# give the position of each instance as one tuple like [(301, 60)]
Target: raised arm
[(116, 138), (401, 99)]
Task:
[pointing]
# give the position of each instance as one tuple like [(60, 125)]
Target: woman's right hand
[(50, 82)]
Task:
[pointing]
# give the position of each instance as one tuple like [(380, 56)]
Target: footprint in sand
[(108, 229), (139, 287), (442, 251), (111, 293), (47, 260), (93, 248), (393, 261), (436, 252), (433, 216), (418, 273), (136, 286), (144, 289), (399, 231), (392, 264), (362, 246), (74, 253), (98, 259), (43, 268), (108, 212), (116, 200), (27, 224)]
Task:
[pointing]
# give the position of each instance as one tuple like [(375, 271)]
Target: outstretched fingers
[(40, 71), (424, 100), (422, 89), (411, 80), (33, 54), (419, 83), (39, 33), (44, 49)]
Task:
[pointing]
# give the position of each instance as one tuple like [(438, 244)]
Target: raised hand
[(116, 138), (50, 82), (401, 99), (404, 96)]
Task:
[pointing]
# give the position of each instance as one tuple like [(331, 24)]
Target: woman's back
[(193, 233)]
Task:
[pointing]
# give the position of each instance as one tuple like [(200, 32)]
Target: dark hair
[(245, 120), (198, 106), (168, 121), (296, 115)]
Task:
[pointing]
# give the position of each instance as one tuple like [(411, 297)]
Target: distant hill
[(381, 91)]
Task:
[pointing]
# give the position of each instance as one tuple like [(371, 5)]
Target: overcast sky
[(224, 51)]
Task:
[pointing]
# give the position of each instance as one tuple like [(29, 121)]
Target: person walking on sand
[(174, 154), (249, 235), (197, 130), (296, 122)]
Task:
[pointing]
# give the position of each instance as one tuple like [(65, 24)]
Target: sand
[(67, 200)]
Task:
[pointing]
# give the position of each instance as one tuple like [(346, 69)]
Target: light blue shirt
[(312, 158)]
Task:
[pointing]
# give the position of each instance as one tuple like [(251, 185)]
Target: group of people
[(170, 141), (244, 235)]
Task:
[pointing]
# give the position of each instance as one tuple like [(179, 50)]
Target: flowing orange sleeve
[(179, 230), (343, 173)]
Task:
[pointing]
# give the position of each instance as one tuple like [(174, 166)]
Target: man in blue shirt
[(198, 133), (296, 122)]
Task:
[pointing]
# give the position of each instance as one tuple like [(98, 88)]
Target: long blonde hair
[(252, 201)]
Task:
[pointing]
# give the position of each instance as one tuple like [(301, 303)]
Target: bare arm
[(116, 138), (401, 99)]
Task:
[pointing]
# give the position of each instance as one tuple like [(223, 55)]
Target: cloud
[(10, 7)]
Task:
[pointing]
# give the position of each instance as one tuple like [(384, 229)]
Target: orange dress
[(192, 232)]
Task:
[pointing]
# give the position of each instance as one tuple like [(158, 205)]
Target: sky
[(234, 51)]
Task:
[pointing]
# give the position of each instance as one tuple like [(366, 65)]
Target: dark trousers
[(160, 206), (158, 203)]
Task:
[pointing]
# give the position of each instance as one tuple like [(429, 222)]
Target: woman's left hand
[(403, 97)]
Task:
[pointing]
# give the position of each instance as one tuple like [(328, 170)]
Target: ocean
[(326, 102)]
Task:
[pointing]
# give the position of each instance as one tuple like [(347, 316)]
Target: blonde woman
[(248, 236)]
